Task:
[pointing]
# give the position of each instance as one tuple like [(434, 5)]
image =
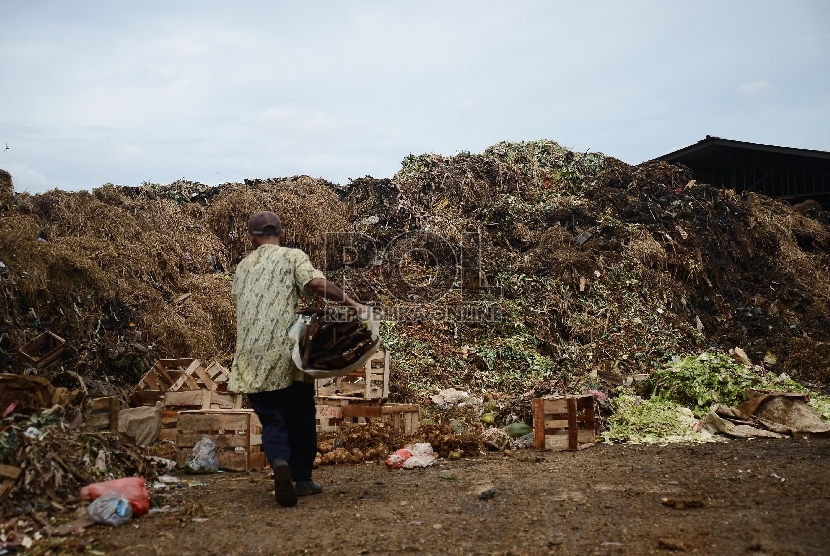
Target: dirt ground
[(757, 497)]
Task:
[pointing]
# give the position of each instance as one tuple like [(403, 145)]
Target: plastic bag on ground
[(130, 488), (422, 456), (204, 458), (396, 460), (110, 508)]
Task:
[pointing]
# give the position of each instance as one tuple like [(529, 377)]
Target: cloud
[(466, 105), (757, 91)]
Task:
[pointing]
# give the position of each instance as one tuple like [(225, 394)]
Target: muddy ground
[(757, 497)]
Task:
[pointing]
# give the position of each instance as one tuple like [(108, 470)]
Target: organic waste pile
[(549, 270)]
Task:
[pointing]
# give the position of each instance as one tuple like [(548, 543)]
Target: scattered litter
[(164, 510), (111, 508), (129, 488), (204, 458), (449, 397)]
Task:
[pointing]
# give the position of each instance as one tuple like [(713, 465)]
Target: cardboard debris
[(768, 414)]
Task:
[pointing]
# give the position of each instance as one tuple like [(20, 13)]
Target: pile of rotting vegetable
[(550, 271)]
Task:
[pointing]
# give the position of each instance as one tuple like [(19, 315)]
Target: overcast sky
[(123, 92)]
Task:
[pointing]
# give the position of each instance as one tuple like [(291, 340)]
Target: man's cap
[(260, 221)]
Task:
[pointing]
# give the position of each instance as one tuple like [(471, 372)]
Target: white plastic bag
[(204, 458), (110, 509), (298, 329), (422, 456)]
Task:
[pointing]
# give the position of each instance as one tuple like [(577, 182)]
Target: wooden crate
[(173, 375), (236, 432), (330, 410), (370, 382), (563, 422), (8, 478), (43, 350), (102, 413), (400, 416), (188, 400)]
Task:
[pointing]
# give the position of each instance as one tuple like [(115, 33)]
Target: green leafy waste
[(688, 388), (638, 420), (698, 382)]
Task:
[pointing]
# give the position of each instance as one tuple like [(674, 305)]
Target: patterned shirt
[(266, 291)]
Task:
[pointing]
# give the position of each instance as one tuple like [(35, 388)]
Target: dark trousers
[(289, 427)]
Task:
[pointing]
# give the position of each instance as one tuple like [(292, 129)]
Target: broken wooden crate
[(173, 375), (370, 382), (174, 403), (43, 350), (400, 416), (8, 478), (102, 413), (236, 432), (329, 410), (563, 422)]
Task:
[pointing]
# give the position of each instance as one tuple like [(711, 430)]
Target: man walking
[(266, 290)]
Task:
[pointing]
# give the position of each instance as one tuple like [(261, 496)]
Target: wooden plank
[(99, 420), (115, 407), (146, 397), (556, 406), (168, 417), (539, 424), (168, 434), (573, 430), (556, 442), (361, 411), (9, 471), (555, 423), (257, 460), (225, 401), (97, 404), (196, 422), (189, 439), (186, 375), (208, 382), (184, 398), (151, 381)]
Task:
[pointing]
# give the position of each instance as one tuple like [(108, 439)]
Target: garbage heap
[(577, 269)]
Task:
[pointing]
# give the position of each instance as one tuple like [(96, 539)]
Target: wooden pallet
[(103, 413), (329, 410), (174, 375), (176, 402), (563, 422), (8, 478), (401, 416), (43, 350), (236, 432), (371, 382)]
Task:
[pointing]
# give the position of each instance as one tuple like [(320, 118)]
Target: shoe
[(307, 488), (283, 487)]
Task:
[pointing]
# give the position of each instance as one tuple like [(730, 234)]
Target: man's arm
[(332, 292)]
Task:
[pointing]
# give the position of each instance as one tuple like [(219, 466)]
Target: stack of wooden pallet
[(360, 398), (181, 385)]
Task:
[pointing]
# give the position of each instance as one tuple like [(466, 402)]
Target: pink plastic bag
[(131, 488), (395, 461)]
